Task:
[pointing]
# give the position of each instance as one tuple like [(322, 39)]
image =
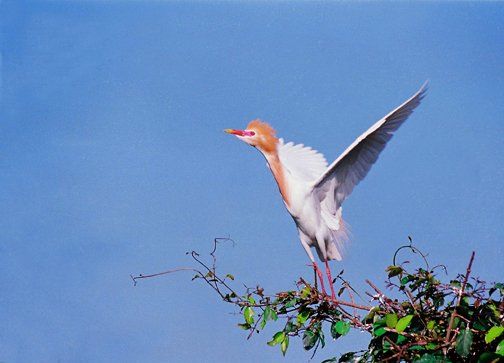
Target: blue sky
[(113, 160)]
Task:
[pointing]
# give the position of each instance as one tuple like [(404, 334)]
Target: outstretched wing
[(338, 181), (302, 162)]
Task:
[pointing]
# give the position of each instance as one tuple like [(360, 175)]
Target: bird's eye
[(252, 133)]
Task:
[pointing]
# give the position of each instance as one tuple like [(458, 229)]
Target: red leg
[(321, 278), (328, 272)]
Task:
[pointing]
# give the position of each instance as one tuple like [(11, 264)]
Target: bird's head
[(257, 134)]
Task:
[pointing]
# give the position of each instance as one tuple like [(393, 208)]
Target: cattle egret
[(314, 192)]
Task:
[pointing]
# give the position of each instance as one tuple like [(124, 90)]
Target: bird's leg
[(328, 272), (321, 278)]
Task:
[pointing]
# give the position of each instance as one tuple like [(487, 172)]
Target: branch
[(459, 300), (352, 305), (141, 276)]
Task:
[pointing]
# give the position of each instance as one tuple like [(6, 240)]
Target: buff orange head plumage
[(258, 134)]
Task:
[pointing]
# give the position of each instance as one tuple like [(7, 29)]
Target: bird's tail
[(336, 248)]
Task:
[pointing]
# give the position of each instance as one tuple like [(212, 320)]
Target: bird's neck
[(279, 173)]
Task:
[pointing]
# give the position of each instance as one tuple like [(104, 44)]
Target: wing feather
[(339, 180), (300, 161)]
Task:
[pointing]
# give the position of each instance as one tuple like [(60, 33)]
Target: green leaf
[(496, 311), (305, 292), (245, 326), (229, 276), (273, 315), (342, 327), (266, 314), (303, 316), (401, 339), (498, 286), (330, 360), (334, 332), (456, 322), (500, 348), (197, 276), (394, 270), (479, 326), (289, 327), (339, 329), (493, 333), (416, 347), (407, 279), (438, 301), (269, 314), (431, 358), (489, 357), (263, 324), (403, 323), (431, 346), (277, 338), (347, 358), (321, 337), (309, 339), (379, 332), (391, 320), (431, 325), (464, 342), (455, 283), (291, 302), (248, 314), (379, 323), (284, 345), (371, 315)]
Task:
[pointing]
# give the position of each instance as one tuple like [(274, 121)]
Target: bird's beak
[(238, 132)]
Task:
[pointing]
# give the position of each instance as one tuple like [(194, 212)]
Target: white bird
[(314, 192)]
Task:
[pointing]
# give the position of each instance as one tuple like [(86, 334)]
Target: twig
[(253, 329), (374, 287), (195, 255), (459, 300), (414, 250), (353, 305), (349, 290), (140, 276)]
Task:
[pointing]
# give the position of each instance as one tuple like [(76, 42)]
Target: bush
[(457, 321)]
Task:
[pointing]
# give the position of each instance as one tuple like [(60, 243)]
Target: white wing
[(338, 181), (300, 161)]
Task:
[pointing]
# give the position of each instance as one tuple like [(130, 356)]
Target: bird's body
[(312, 190), (298, 168)]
